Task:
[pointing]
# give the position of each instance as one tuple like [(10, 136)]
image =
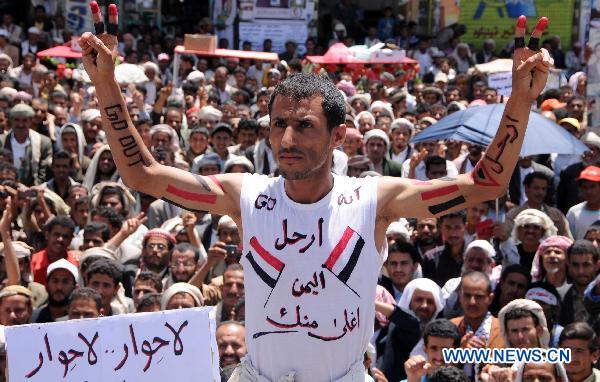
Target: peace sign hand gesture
[(530, 65), (100, 50)]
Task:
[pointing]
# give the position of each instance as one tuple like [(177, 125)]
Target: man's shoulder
[(433, 253), (576, 209)]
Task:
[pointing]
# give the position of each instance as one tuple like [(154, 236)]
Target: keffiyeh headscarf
[(425, 285), (164, 128), (536, 217), (534, 308), (561, 242)]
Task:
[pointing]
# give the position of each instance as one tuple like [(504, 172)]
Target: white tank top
[(310, 273)]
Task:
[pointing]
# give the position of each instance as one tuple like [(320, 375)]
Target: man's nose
[(288, 140)]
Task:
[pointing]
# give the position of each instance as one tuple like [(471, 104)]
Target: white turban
[(90, 114), (377, 133), (164, 128), (181, 288), (152, 66), (402, 122), (382, 105), (210, 112), (264, 121), (364, 114), (531, 306), (425, 285), (238, 160), (536, 217), (559, 367)]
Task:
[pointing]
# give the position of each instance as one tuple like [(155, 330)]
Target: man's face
[(437, 171), (41, 111), (513, 287), (220, 141), (401, 137), (352, 145), (15, 310), (434, 349), (106, 163), (536, 192), (80, 214), (430, 98), (376, 149), (475, 297), (300, 139), (523, 333), (20, 122), (83, 308), (160, 139), (112, 201), (91, 239), (490, 97), (181, 301), (231, 343), (477, 260), (400, 267), (427, 228), (59, 238), (105, 285), (576, 108), (174, 119), (582, 268), (69, 142), (453, 95), (142, 288), (590, 191), (229, 234), (539, 372), (530, 234), (232, 288), (423, 304), (247, 137), (183, 266), (155, 255), (28, 61), (61, 168), (365, 123), (582, 357), (60, 284), (594, 237), (220, 77), (453, 231), (198, 143)]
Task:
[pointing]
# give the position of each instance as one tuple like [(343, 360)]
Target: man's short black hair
[(114, 219), (434, 160), (535, 175), (301, 86), (452, 215), (187, 57), (154, 278), (62, 221), (404, 247), (82, 200), (185, 247), (98, 227), (583, 247), (107, 267), (61, 155), (579, 331), (448, 374), (86, 294), (518, 313), (441, 328), (423, 108), (478, 276), (149, 299), (248, 124)]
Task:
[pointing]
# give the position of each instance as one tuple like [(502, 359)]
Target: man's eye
[(305, 124), (280, 124)]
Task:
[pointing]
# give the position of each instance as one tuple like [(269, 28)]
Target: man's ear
[(338, 135)]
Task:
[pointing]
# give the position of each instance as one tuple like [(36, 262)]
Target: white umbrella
[(130, 74)]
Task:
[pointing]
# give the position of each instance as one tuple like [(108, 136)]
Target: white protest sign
[(78, 16), (175, 345), (502, 82)]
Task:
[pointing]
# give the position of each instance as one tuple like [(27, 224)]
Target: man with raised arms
[(314, 242)]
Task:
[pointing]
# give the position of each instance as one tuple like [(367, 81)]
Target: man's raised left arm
[(400, 197)]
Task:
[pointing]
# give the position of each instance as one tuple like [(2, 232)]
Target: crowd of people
[(519, 271)]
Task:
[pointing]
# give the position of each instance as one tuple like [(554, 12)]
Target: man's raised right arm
[(138, 169)]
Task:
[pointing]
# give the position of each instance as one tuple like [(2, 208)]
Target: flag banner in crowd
[(170, 345), (496, 20), (78, 16)]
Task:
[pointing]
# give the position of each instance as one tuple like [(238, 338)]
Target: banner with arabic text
[(175, 345), (496, 19)]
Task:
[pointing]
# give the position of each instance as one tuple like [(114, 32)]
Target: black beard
[(58, 304)]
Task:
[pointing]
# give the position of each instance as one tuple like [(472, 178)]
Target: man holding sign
[(313, 242)]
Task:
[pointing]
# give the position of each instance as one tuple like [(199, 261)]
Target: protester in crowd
[(84, 303), (401, 264), (582, 340), (523, 324), (445, 262), (546, 295), (231, 342)]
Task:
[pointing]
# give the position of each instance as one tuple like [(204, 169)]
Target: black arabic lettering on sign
[(351, 321), (311, 287), (67, 357), (297, 237)]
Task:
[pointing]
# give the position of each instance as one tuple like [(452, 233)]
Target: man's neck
[(52, 256), (311, 189), (223, 154), (398, 149), (557, 279), (580, 288), (57, 311), (533, 204), (474, 322), (400, 287), (105, 177), (456, 251), (530, 247)]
